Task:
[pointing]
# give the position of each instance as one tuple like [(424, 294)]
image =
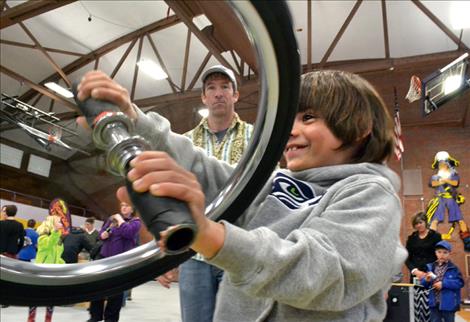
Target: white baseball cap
[(223, 70)]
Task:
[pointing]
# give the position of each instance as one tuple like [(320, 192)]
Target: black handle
[(159, 214), (91, 107)]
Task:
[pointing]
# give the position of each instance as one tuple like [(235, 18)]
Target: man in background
[(224, 135), (74, 243), (11, 232), (92, 235)]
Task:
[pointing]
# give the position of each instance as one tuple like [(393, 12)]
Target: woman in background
[(50, 247), (420, 246)]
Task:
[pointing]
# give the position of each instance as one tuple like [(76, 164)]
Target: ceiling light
[(201, 22), (59, 89), (152, 69), (204, 112), (452, 83), (459, 13)]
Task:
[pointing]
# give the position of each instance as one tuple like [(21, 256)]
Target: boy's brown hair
[(353, 111)]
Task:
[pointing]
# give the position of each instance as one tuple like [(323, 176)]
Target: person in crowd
[(91, 234), (3, 214), (119, 234), (444, 280), (58, 207), (321, 240), (28, 252), (224, 135), (50, 249), (420, 245), (74, 243), (11, 232)]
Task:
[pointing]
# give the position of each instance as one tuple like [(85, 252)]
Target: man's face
[(3, 213), (219, 96)]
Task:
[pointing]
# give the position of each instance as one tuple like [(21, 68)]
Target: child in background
[(321, 240), (50, 249), (445, 281)]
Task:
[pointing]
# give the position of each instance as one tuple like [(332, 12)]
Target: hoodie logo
[(293, 193)]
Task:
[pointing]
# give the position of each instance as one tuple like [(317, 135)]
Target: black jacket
[(11, 236), (74, 243), (421, 251)]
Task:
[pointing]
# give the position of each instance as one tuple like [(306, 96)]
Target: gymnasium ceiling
[(42, 41)]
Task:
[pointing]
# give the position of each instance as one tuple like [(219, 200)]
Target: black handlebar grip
[(91, 107), (160, 213)]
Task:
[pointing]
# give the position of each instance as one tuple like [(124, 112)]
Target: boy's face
[(442, 255), (311, 144)]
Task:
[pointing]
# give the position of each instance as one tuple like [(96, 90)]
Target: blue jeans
[(198, 285), (441, 316)]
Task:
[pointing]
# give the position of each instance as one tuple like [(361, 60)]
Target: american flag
[(398, 146)]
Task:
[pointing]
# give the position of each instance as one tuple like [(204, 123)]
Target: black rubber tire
[(34, 290)]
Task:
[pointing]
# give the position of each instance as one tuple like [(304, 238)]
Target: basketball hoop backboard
[(445, 84)]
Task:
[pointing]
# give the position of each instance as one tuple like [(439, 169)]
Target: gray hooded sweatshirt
[(316, 245)]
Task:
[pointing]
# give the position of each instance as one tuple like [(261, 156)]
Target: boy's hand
[(98, 85), (419, 274), (428, 277), (157, 173), (437, 286)]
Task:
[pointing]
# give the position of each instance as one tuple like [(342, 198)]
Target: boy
[(445, 281), (321, 240)]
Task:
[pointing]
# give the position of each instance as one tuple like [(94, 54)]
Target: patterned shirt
[(230, 148)]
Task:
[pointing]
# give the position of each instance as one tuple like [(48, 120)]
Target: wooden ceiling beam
[(227, 24), (385, 27), (28, 10), (152, 103), (136, 67), (199, 71), (44, 52), (53, 50), (86, 59), (162, 63), (374, 65), (37, 87), (340, 33), (309, 33), (440, 24), (186, 59), (183, 11), (123, 58)]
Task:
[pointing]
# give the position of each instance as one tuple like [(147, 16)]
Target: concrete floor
[(150, 303)]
